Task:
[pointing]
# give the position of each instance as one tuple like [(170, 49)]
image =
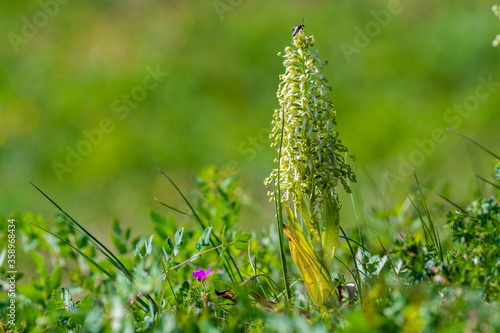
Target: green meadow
[(156, 118)]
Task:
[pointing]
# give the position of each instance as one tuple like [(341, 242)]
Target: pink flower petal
[(201, 274)]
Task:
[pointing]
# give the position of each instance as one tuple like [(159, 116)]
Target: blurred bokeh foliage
[(63, 76)]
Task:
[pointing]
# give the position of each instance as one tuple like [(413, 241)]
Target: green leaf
[(40, 265), (178, 236), (55, 279), (245, 237), (162, 226), (206, 236), (117, 229), (86, 303), (126, 236), (330, 236), (169, 243), (55, 302), (138, 252), (199, 245), (237, 235), (149, 245), (183, 290), (66, 298), (34, 293), (223, 234), (119, 244), (240, 245), (156, 217)]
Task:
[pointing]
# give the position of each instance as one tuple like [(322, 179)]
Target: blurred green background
[(67, 65)]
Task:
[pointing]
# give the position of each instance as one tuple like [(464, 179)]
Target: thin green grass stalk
[(450, 202), (226, 267), (355, 242), (279, 214), (388, 257), (487, 181), (356, 277), (433, 227), (254, 269), (164, 266), (355, 209), (200, 222), (376, 187), (90, 260), (422, 221), (97, 244), (476, 143), (103, 249), (193, 258)]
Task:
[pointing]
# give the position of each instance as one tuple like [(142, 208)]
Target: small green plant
[(473, 261)]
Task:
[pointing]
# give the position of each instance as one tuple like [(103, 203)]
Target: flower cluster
[(496, 11), (312, 157)]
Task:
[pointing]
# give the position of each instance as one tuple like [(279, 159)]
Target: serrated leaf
[(237, 235), (206, 236), (178, 236), (245, 237), (183, 289), (55, 302), (240, 245), (86, 303)]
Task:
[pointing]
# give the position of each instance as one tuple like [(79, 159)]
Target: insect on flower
[(297, 28), (201, 274)]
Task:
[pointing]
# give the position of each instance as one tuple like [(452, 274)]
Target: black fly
[(297, 28)]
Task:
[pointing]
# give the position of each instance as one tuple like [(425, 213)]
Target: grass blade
[(109, 255), (487, 181), (450, 202), (476, 143), (279, 211)]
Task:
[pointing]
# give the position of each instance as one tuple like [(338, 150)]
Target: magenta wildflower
[(201, 274)]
